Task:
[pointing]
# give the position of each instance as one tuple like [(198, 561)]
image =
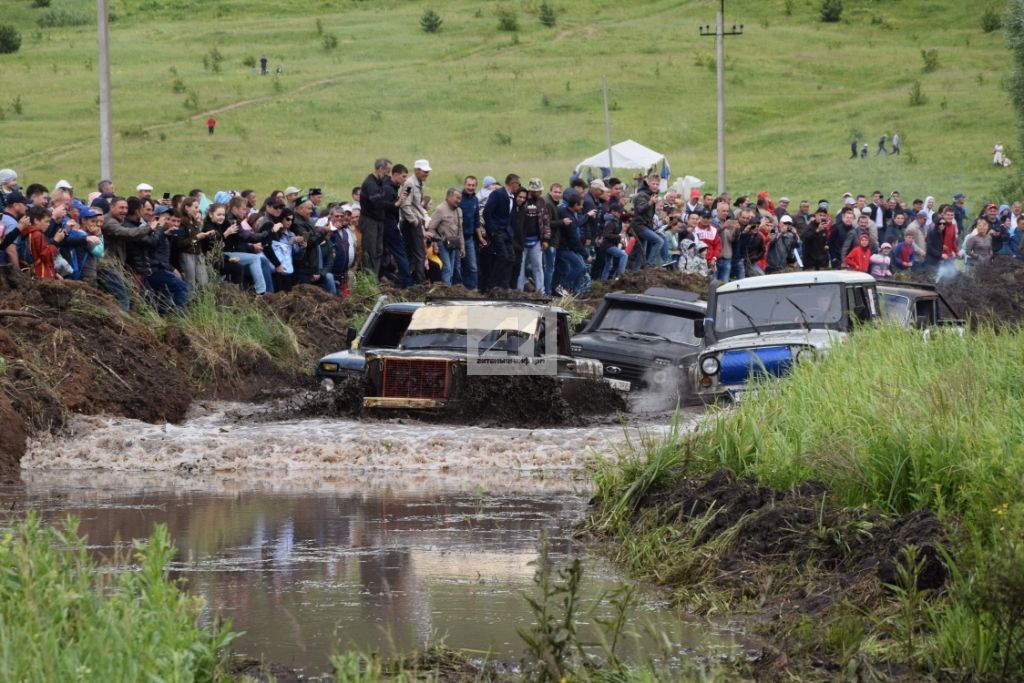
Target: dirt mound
[(318, 319), (638, 281), (12, 441), (991, 293), (794, 528)]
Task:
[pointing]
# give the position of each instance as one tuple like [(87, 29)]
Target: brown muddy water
[(367, 535)]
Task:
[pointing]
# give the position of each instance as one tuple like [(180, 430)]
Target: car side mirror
[(350, 336), (579, 327), (698, 328)]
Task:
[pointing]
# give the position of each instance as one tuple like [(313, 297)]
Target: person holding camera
[(941, 244), (814, 241), (445, 231)]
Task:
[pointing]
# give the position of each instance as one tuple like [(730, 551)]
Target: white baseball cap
[(422, 165), (143, 187), (63, 185), (291, 189)]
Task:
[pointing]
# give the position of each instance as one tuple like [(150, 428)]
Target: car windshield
[(797, 307), (676, 326), (504, 342), (895, 307)]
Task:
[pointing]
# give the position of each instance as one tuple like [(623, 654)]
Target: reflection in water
[(370, 565)]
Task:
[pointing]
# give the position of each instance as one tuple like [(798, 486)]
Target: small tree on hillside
[(990, 20), (546, 14), (831, 10), (10, 39), (431, 21), (507, 20)]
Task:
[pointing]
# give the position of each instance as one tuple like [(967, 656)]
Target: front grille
[(627, 371), (415, 378)]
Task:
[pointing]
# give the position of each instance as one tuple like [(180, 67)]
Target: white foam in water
[(219, 437)]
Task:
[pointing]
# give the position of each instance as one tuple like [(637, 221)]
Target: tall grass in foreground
[(893, 419), (62, 618)]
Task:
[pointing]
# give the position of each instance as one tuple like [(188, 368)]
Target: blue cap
[(78, 204), (958, 195), (223, 197), (160, 210), (85, 212)]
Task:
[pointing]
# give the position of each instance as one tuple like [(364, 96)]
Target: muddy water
[(372, 535)]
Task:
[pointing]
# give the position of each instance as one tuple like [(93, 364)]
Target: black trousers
[(412, 234), (503, 263)]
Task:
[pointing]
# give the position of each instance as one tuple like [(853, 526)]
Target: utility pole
[(720, 33), (607, 125), (106, 136)]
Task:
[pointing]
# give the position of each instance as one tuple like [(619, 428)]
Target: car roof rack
[(669, 293)]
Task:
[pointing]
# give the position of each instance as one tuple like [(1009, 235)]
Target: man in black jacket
[(372, 203), (645, 204), (814, 240)]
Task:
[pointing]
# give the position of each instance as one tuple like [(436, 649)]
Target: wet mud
[(516, 401), (989, 294)]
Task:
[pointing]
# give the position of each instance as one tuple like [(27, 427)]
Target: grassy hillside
[(475, 99)]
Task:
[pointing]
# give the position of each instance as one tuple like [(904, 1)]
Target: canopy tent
[(627, 155)]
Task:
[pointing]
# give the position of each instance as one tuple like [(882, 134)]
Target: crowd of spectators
[(483, 235)]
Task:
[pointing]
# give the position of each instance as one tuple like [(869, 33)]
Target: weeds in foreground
[(62, 618)]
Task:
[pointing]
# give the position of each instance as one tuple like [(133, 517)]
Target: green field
[(474, 99)]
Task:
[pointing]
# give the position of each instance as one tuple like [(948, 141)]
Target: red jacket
[(711, 238), (859, 259), (43, 254)]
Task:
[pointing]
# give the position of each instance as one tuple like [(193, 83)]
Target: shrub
[(546, 14), (431, 21), (329, 41), (931, 60), (831, 10), (57, 18), (990, 20), (507, 20), (10, 39), (917, 96), (40, 3), (250, 62)]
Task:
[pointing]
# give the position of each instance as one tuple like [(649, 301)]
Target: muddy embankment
[(67, 348)]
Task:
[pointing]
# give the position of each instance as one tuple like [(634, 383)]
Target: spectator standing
[(645, 205), (551, 202), (211, 124), (978, 246), (880, 262), (394, 242), (859, 257), (467, 271), (446, 227), (372, 202), (498, 224), (571, 257), (905, 257), (814, 241), (414, 218), (536, 234)]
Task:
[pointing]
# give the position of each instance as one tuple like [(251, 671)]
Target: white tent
[(627, 155)]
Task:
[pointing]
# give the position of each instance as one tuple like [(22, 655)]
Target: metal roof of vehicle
[(813, 277)]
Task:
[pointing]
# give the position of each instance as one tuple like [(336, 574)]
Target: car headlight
[(709, 366), (329, 367), (806, 354), (327, 384)]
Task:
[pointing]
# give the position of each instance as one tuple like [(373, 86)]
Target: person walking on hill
[(896, 142), (853, 148), (881, 146), (211, 123)]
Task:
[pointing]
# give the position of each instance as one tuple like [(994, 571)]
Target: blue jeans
[(254, 263), (467, 273), (723, 269), (170, 290), (569, 268), (535, 255), (449, 262), (549, 269), (739, 269), (654, 242), (111, 282), (394, 243), (268, 272), (616, 255)]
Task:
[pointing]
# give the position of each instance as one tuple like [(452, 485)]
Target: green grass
[(63, 618), (476, 99), (891, 420)]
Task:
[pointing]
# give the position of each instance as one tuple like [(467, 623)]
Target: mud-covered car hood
[(347, 361), (817, 338), (610, 344)]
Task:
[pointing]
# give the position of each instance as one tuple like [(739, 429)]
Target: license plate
[(618, 384)]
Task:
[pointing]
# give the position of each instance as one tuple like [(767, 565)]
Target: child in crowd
[(905, 256), (880, 262)]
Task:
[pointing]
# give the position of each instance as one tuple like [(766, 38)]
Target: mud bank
[(67, 349), (792, 563), (990, 294)]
